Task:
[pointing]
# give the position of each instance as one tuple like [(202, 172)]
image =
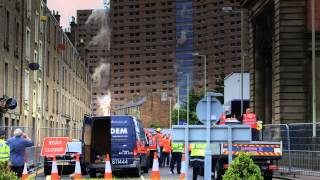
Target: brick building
[(152, 44), (280, 59)]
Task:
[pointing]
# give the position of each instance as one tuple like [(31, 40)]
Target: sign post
[(53, 146)]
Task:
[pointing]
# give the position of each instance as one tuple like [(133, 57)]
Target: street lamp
[(229, 9), (205, 71)]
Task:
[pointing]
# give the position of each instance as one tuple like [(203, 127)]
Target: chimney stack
[(57, 16)]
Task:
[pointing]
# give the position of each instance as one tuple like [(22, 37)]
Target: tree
[(243, 168), (194, 98)]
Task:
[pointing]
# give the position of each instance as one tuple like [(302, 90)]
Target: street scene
[(160, 89)]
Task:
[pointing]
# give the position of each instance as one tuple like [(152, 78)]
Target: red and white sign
[(53, 146)]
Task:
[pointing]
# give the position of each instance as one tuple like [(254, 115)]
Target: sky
[(68, 8)]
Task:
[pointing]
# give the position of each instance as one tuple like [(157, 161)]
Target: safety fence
[(301, 151), (60, 132)]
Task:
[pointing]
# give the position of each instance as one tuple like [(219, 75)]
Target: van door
[(123, 139)]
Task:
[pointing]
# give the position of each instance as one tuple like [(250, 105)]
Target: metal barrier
[(301, 151), (33, 158), (60, 132), (10, 129)]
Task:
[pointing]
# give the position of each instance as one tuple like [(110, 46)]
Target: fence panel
[(301, 151)]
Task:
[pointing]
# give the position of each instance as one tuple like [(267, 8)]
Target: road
[(164, 172)]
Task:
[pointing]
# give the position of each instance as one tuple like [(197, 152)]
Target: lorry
[(263, 153), (120, 136)]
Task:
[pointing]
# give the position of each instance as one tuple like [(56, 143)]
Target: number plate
[(119, 161)]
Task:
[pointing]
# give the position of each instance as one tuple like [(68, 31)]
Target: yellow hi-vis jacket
[(177, 147), (198, 149), (4, 151)]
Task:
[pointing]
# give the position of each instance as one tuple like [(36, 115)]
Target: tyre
[(268, 175), (92, 173), (47, 170), (146, 169), (217, 172), (137, 171)]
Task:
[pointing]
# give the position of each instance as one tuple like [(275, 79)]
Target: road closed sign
[(53, 146)]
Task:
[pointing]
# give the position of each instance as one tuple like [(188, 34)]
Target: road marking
[(142, 177)]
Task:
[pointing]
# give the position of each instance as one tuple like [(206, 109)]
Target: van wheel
[(217, 171), (92, 173), (146, 169), (137, 171)]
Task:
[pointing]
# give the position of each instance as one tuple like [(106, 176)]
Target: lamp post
[(229, 9), (205, 71), (314, 98)]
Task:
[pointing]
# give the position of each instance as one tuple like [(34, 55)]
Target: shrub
[(5, 172), (243, 168)]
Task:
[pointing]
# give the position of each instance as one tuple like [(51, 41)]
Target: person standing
[(166, 151), (198, 152), (176, 156), (250, 119), (4, 148), (18, 144)]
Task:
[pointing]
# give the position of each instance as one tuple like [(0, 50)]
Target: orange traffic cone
[(107, 170), (25, 172), (54, 169), (77, 170), (183, 168), (155, 174)]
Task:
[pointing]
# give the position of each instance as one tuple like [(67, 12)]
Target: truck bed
[(257, 149)]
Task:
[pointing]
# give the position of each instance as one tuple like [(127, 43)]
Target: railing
[(301, 151)]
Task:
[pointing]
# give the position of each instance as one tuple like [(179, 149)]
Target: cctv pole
[(314, 98), (205, 76), (187, 129)]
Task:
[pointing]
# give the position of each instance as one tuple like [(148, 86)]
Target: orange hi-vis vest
[(166, 145), (222, 119), (250, 119)]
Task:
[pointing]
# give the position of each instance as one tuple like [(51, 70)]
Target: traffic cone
[(183, 168), (25, 174), (155, 174), (107, 170), (77, 170), (54, 169)]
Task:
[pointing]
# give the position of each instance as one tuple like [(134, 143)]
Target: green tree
[(243, 168), (194, 98)]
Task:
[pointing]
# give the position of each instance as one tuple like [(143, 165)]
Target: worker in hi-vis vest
[(176, 156), (4, 148), (198, 152)]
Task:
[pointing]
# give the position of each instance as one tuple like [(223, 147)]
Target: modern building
[(281, 61), (57, 94), (153, 42), (95, 55)]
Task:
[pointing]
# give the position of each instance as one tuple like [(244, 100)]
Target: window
[(35, 59), (16, 39), (39, 93), (26, 86), (40, 54), (15, 82), (47, 98), (28, 39), (36, 28), (48, 64), (29, 9), (5, 79), (7, 32)]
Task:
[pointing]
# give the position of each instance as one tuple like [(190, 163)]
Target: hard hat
[(158, 129)]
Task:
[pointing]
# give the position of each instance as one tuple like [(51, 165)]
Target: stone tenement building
[(280, 59), (57, 95)]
